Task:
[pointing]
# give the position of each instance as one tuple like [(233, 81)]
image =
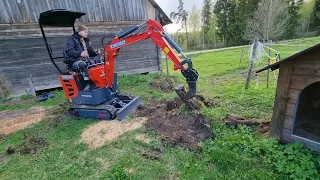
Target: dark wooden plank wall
[(97, 10), (280, 100), (305, 71)]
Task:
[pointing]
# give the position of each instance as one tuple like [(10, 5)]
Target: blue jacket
[(75, 47)]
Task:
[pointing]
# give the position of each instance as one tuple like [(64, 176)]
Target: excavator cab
[(105, 102)]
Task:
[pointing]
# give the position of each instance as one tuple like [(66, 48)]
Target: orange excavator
[(105, 102)]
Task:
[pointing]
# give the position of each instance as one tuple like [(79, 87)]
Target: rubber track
[(111, 109)]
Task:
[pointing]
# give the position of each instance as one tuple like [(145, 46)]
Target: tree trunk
[(203, 36), (185, 22), (268, 25), (215, 35)]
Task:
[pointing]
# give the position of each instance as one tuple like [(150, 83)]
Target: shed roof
[(277, 64), (164, 19)]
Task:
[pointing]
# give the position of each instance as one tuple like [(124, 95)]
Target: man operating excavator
[(80, 52)]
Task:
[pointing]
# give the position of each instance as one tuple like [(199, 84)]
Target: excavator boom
[(155, 32)]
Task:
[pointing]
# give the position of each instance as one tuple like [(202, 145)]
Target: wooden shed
[(24, 58), (296, 114)]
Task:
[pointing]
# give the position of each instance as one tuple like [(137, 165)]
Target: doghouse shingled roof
[(277, 64)]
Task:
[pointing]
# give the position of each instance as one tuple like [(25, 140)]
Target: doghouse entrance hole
[(307, 115)]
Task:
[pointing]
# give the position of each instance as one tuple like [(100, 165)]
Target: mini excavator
[(105, 102)]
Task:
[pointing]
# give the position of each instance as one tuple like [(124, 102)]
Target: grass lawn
[(234, 154)]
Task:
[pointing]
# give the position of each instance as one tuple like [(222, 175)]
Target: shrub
[(291, 160)]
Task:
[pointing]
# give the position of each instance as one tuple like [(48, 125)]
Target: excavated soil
[(105, 132), (11, 121), (185, 130), (192, 104)]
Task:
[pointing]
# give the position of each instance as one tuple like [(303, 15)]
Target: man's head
[(83, 31)]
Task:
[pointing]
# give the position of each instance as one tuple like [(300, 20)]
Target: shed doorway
[(307, 114)]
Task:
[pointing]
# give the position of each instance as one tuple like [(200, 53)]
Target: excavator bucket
[(184, 94), (191, 76)]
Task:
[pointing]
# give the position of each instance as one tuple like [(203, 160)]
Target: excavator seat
[(67, 61)]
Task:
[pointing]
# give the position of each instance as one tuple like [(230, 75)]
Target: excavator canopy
[(59, 18)]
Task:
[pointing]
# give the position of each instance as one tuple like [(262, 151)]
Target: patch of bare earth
[(129, 170), (11, 121), (105, 132), (4, 159), (143, 138), (185, 130)]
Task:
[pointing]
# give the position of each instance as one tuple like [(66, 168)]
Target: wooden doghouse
[(296, 114)]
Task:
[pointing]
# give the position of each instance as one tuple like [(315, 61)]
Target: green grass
[(234, 154), (25, 102)]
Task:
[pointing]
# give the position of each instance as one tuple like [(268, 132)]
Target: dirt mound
[(192, 104), (185, 130), (11, 121), (105, 132)]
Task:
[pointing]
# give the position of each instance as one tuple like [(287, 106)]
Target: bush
[(292, 160)]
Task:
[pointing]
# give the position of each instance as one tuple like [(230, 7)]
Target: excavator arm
[(155, 32)]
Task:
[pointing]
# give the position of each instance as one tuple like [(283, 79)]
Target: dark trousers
[(82, 65)]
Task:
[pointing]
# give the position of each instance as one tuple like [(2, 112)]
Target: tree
[(244, 11), (305, 16), (194, 27), (212, 34), (179, 38), (293, 11), (225, 12), (194, 19), (206, 19), (181, 17), (269, 21), (315, 17)]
